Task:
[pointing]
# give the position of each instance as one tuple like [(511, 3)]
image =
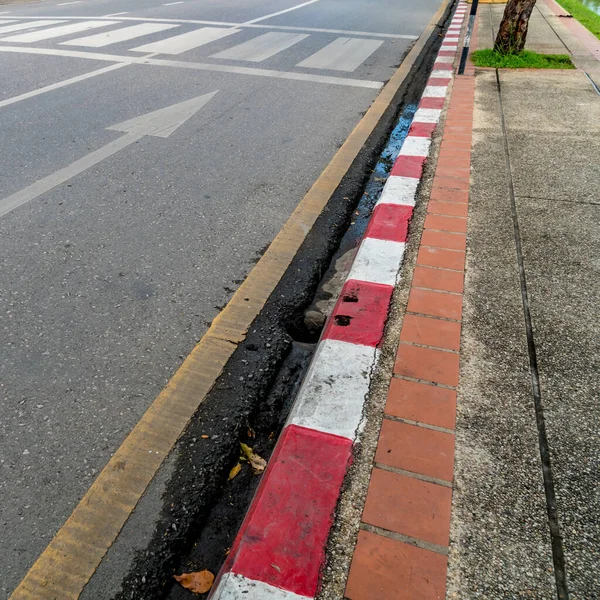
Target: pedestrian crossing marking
[(178, 44), (54, 32), (262, 47), (29, 25), (99, 40), (343, 54)]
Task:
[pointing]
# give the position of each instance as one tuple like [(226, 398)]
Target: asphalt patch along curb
[(201, 470), (281, 545)]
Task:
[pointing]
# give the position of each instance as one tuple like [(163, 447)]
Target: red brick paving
[(402, 547)]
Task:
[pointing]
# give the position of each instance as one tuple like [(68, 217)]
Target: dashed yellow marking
[(73, 555)]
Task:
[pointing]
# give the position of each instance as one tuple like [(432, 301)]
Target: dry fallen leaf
[(257, 463), (199, 582), (235, 471), (204, 437)]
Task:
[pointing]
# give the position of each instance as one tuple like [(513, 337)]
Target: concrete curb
[(280, 547)]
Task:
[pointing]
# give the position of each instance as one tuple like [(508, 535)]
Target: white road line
[(60, 84), (65, 3), (281, 12), (116, 14), (5, 12), (54, 32), (178, 44), (391, 36), (343, 54), (99, 40), (29, 25), (262, 47), (195, 66), (5, 21), (172, 3)]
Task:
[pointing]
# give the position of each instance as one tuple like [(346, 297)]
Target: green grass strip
[(523, 60), (587, 17)]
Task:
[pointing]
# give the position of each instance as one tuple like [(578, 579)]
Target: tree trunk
[(513, 29)]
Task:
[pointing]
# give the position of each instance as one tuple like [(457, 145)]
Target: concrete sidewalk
[(506, 497)]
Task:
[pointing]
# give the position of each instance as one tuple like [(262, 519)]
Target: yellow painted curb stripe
[(73, 555)]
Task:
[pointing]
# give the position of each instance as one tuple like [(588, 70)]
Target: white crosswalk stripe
[(5, 21), (178, 44), (54, 32), (262, 47), (343, 54), (99, 40), (29, 25)]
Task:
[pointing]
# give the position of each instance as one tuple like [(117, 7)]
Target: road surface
[(125, 227)]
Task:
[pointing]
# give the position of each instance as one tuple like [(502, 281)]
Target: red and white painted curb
[(280, 547)]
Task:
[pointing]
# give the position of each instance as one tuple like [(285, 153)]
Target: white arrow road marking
[(160, 123)]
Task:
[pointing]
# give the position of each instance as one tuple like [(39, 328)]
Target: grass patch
[(587, 17), (523, 60)]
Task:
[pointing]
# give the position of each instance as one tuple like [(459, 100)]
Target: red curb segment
[(360, 313), (282, 539), (422, 129), (389, 222), (437, 81), (408, 166), (432, 103)]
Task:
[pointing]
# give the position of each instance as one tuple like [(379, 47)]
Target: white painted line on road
[(195, 66), (29, 25), (5, 12), (172, 3), (65, 3), (391, 36), (262, 47), (280, 12), (116, 14), (159, 123), (5, 21), (186, 41), (99, 40), (60, 84), (343, 54), (66, 82), (54, 32)]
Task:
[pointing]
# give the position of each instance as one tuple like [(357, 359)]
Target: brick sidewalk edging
[(280, 548), (402, 546)]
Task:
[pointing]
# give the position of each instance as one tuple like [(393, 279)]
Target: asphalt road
[(109, 277)]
